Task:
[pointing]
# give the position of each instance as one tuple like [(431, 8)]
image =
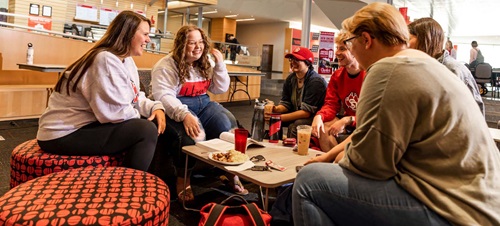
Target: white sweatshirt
[(166, 86), (109, 92)]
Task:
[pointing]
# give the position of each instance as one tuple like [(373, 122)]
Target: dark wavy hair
[(430, 36), (179, 54), (116, 40)]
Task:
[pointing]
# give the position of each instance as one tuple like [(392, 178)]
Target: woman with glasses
[(342, 93), (427, 35), (420, 155), (303, 92), (181, 81)]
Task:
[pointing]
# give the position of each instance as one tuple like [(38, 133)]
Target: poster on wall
[(326, 56), (86, 12), (107, 15), (40, 23), (141, 12), (314, 47)]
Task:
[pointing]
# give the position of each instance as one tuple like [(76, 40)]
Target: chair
[(483, 75)]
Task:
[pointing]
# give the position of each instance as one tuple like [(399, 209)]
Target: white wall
[(4, 4), (489, 46), (258, 34)]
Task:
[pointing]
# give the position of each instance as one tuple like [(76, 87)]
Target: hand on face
[(194, 46), (217, 55)]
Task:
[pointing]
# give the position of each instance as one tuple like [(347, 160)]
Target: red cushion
[(28, 161), (84, 196)]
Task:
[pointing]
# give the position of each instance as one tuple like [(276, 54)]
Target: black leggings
[(136, 137), (172, 141)]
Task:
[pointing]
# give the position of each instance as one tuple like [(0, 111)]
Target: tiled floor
[(206, 186)]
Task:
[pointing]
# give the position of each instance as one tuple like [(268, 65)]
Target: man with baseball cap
[(303, 92)]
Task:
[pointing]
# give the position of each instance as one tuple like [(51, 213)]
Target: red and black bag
[(247, 214)]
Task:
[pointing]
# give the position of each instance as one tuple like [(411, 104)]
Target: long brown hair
[(430, 36), (179, 54), (116, 40)]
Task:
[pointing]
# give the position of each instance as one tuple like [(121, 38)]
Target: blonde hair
[(382, 21), (343, 35)]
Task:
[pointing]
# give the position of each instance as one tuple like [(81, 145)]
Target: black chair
[(483, 74)]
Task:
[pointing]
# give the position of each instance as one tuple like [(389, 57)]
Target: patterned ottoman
[(28, 161), (88, 196)]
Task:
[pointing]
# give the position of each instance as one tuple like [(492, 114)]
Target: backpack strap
[(254, 214), (214, 214)]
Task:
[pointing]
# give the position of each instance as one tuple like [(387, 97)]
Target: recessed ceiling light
[(248, 19), (234, 15)]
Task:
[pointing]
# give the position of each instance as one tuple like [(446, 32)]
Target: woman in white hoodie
[(180, 81), (97, 102)]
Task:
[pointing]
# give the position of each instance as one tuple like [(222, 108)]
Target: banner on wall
[(40, 22), (325, 55), (107, 15)]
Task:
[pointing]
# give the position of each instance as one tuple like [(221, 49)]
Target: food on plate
[(230, 156)]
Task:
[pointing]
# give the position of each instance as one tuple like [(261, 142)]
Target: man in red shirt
[(337, 116)]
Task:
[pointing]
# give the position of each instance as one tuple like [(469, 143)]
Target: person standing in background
[(419, 150), (473, 52), (451, 50), (427, 35), (97, 105), (235, 49)]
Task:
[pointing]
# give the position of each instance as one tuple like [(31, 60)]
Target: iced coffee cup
[(303, 138)]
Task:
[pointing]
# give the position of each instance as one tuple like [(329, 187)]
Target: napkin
[(244, 166)]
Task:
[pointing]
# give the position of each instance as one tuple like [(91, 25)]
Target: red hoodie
[(344, 91)]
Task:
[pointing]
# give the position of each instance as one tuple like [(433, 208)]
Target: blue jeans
[(326, 194), (214, 118)]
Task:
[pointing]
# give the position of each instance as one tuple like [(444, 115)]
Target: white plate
[(225, 163)]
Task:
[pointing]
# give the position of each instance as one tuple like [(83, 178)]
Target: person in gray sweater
[(97, 105), (420, 154), (427, 35)]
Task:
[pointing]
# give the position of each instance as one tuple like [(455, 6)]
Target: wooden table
[(267, 179), (44, 68), (238, 72)]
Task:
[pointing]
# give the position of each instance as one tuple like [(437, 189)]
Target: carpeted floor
[(205, 180)]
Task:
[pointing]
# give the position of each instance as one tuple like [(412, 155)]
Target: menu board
[(107, 15), (86, 12)]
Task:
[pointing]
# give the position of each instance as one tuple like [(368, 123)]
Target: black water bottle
[(258, 121)]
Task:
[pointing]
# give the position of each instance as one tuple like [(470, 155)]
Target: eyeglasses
[(257, 158), (348, 41)]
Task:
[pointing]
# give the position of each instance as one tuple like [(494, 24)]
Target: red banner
[(40, 23)]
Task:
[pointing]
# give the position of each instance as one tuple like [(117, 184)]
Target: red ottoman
[(28, 161), (88, 196)]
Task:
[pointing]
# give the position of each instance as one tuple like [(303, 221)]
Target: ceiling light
[(234, 15), (208, 12), (248, 19)]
